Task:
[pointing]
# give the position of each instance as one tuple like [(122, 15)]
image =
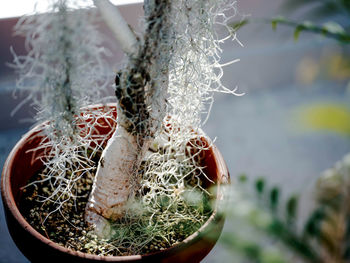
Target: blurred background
[(292, 124)]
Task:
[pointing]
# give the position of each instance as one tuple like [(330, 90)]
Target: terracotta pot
[(20, 167)]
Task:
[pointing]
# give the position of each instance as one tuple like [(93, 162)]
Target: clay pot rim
[(8, 198)]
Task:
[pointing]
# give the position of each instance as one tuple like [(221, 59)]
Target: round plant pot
[(20, 166)]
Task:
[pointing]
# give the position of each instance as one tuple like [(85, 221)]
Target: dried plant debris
[(156, 219)]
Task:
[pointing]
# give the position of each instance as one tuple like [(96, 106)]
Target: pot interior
[(24, 162)]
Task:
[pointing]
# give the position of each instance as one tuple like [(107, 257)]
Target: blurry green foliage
[(323, 237), (265, 211), (329, 29), (321, 9)]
